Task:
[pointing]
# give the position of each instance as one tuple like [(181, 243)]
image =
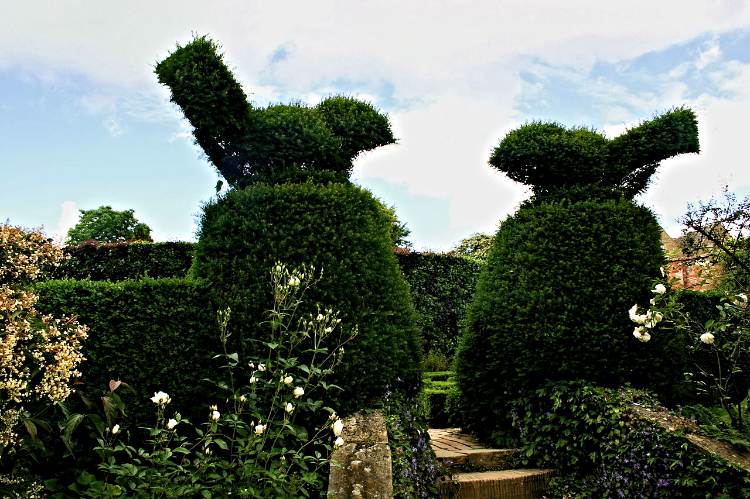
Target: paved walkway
[(458, 449)]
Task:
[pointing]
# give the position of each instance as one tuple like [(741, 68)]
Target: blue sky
[(84, 122)]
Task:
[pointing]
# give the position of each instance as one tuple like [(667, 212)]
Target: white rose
[(160, 398), (338, 427), (298, 392), (288, 380), (289, 407), (115, 429), (707, 338), (171, 424), (215, 415), (338, 443), (659, 288), (259, 429), (253, 379), (261, 367)]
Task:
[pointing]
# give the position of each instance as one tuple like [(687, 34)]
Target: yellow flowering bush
[(38, 353)]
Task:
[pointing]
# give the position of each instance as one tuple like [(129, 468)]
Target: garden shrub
[(341, 231), (553, 300), (124, 260), (437, 387), (153, 334), (442, 286)]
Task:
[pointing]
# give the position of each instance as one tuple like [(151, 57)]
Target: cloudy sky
[(84, 122)]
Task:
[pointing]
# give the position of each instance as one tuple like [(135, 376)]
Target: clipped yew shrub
[(563, 271), (340, 230)]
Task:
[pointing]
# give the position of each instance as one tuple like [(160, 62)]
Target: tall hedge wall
[(442, 286), (126, 260), (341, 230), (154, 334)]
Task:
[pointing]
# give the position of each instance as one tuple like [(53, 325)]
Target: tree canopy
[(549, 157), (282, 142), (475, 246), (105, 225)]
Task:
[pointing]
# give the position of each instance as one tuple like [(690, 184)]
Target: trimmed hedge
[(552, 304), (341, 230), (154, 334), (442, 287), (126, 260)]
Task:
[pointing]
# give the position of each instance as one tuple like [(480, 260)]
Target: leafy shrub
[(552, 303), (604, 450), (154, 334), (124, 260), (39, 356), (268, 435), (339, 229), (442, 286)]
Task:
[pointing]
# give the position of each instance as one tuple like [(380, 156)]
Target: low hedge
[(153, 334)]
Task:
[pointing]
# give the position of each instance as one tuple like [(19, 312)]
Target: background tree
[(105, 225), (475, 246), (399, 232), (552, 301), (278, 143)]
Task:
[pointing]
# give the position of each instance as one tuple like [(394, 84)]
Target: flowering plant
[(39, 355), (263, 436), (717, 346)]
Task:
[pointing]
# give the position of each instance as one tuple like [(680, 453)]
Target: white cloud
[(69, 217)]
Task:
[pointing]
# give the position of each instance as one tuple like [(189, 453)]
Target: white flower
[(293, 281), (740, 300), (641, 334), (261, 367), (662, 271), (635, 317), (659, 288), (242, 398), (259, 429), (160, 398), (289, 407), (298, 392), (251, 365), (707, 338), (215, 415), (213, 408), (253, 379), (115, 429), (338, 427), (207, 451), (171, 424), (320, 317), (288, 380), (338, 443), (329, 329)]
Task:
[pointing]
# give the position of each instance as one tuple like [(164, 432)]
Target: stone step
[(474, 459), (507, 484)]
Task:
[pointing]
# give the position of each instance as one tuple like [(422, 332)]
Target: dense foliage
[(281, 142), (553, 300), (605, 450), (154, 334), (105, 225), (39, 358), (341, 231), (549, 156), (442, 286), (124, 260)]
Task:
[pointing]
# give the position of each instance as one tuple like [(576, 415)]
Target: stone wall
[(361, 468)]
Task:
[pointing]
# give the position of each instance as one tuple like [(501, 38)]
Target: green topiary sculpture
[(292, 202), (552, 303)]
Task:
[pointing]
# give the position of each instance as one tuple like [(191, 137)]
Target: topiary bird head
[(549, 157), (273, 144)]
